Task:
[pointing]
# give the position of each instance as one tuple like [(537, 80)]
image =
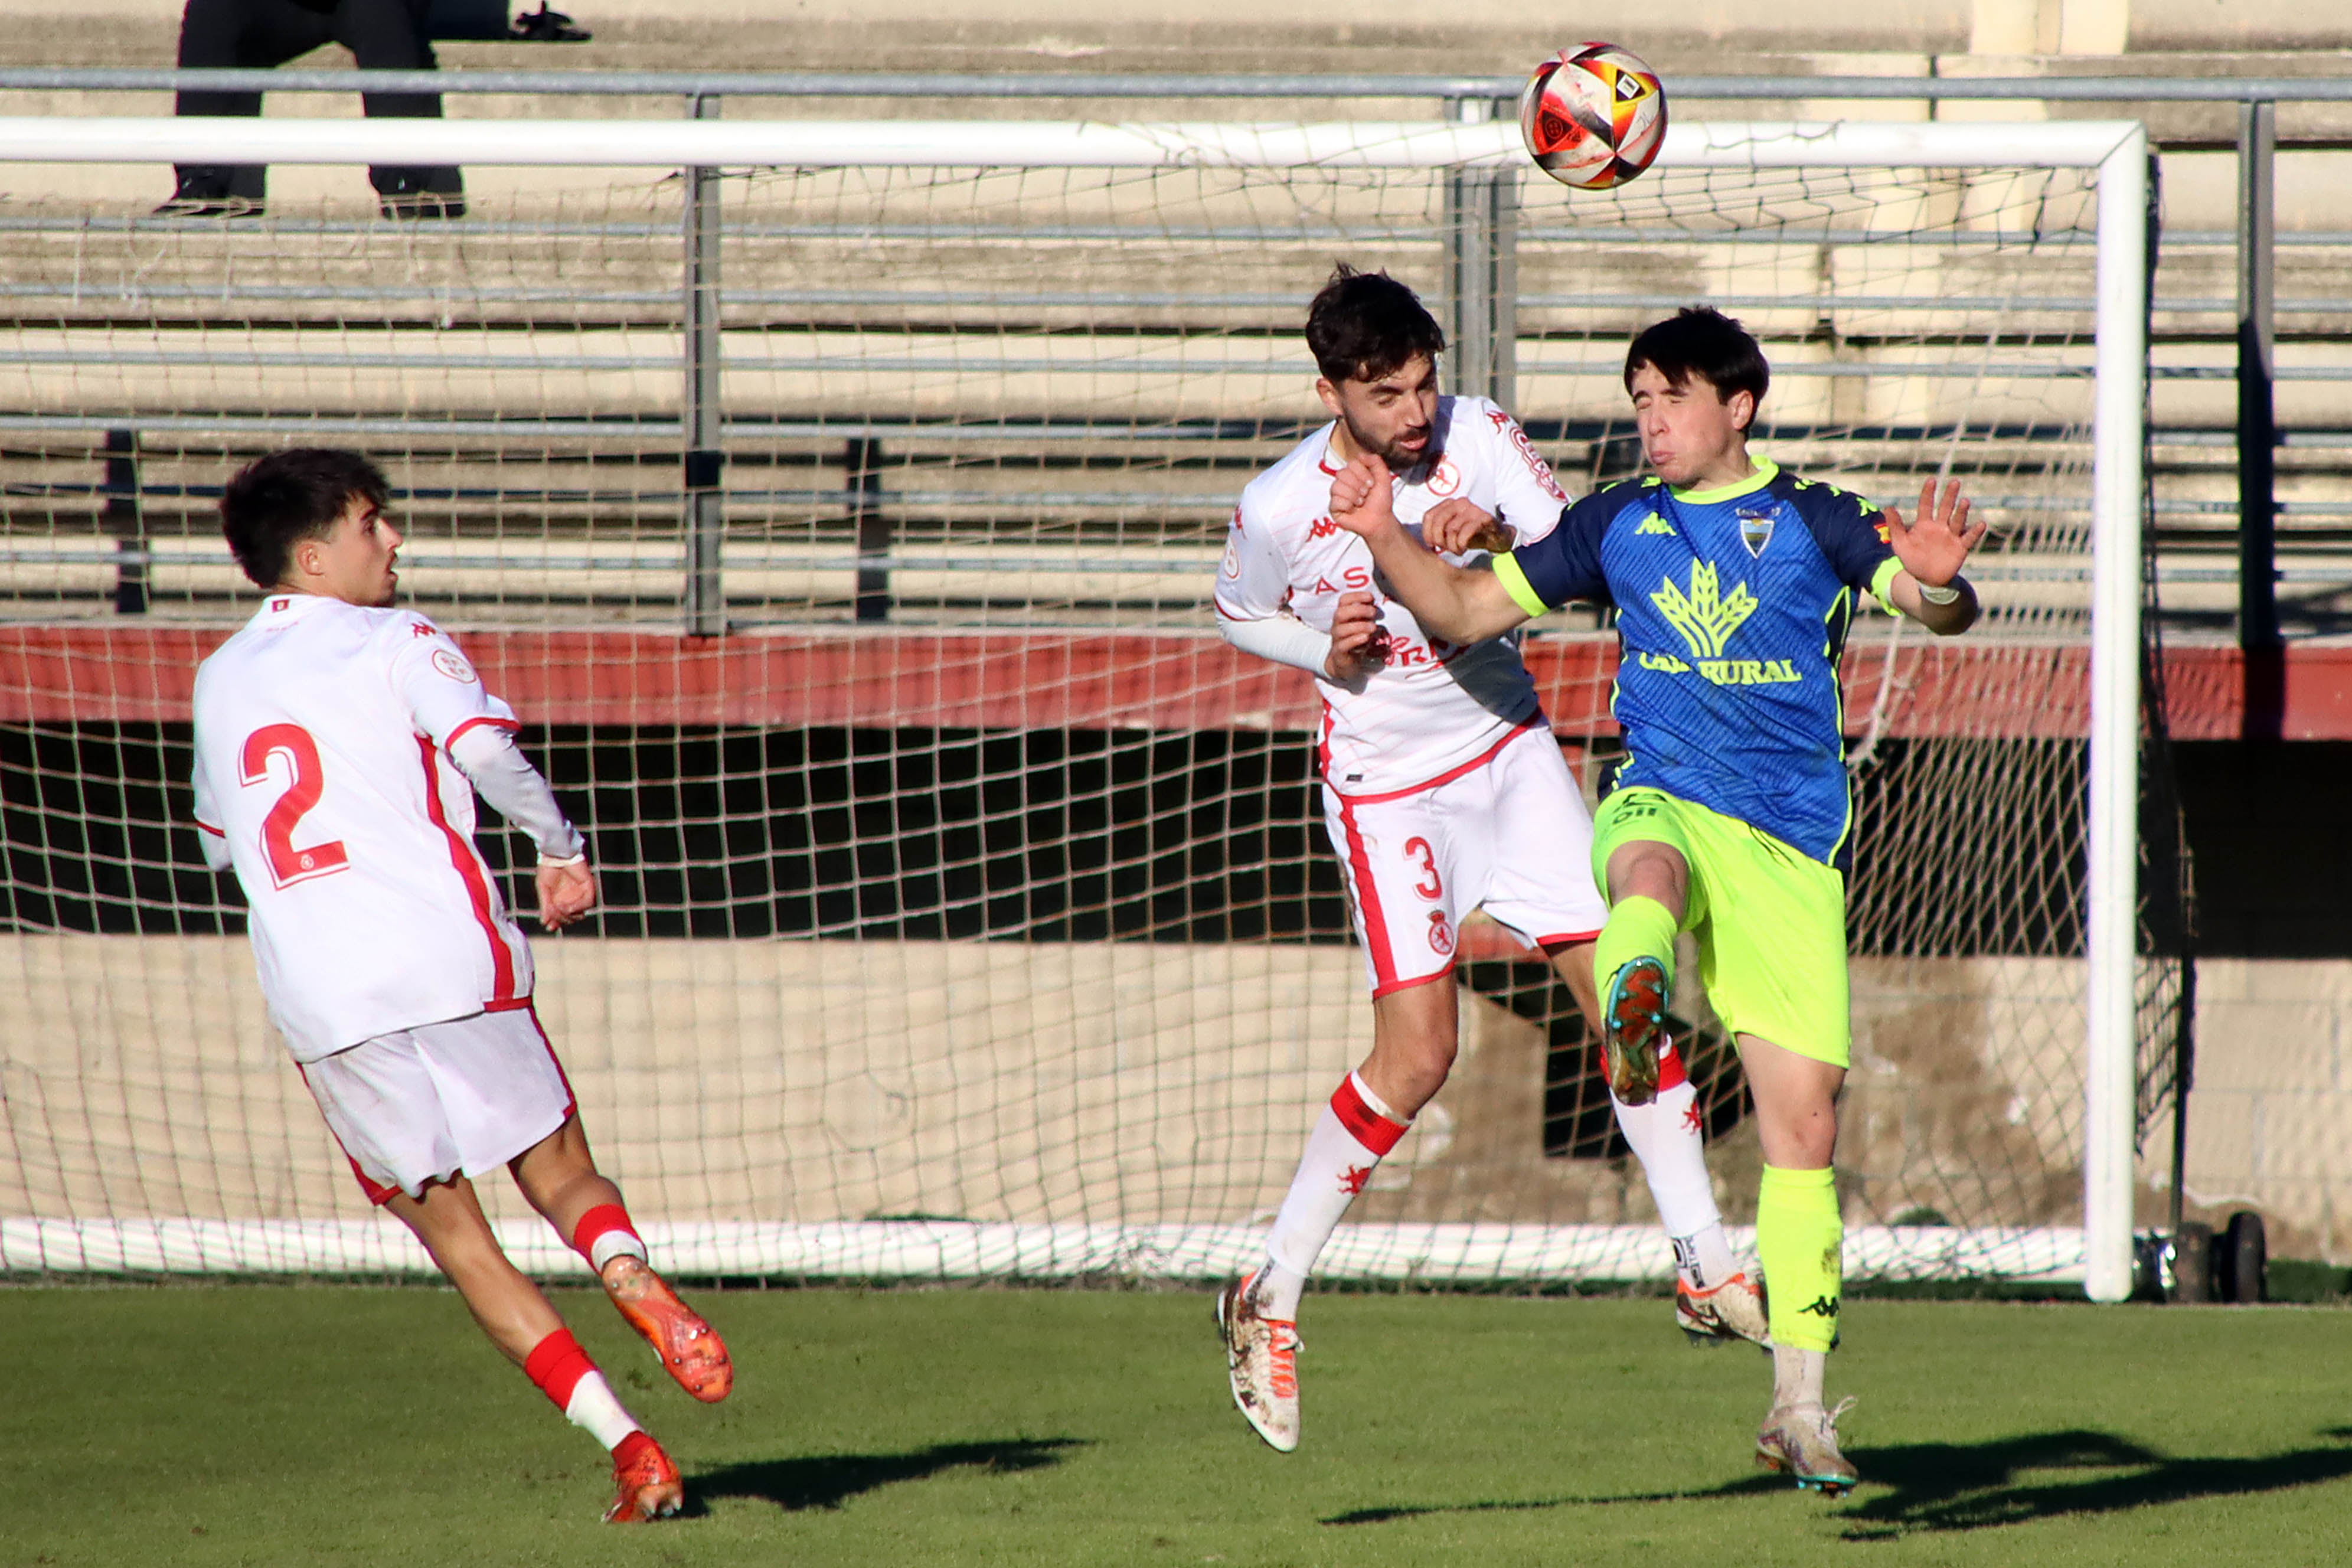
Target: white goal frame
[(2100, 1255)]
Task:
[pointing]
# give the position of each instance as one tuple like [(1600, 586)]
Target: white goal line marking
[(946, 1250)]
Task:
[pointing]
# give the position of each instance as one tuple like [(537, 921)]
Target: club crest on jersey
[(1445, 478), (1756, 527), (1704, 617), (1441, 933), (453, 665)]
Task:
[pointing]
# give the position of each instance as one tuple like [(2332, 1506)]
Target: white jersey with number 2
[(1436, 705), (321, 740)]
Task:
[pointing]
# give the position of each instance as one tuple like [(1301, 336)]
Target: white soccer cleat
[(1734, 1309), (1262, 1364), (1800, 1442)]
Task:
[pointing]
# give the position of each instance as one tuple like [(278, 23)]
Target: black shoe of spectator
[(546, 27)]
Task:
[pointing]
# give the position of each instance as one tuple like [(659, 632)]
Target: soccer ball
[(1594, 116)]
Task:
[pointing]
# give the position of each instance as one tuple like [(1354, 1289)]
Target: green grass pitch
[(333, 1424)]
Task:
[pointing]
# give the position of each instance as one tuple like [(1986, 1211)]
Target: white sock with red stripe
[(1666, 1136), (1354, 1130), (566, 1376), (604, 1233)]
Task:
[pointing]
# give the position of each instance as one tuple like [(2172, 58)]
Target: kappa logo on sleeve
[(1528, 452), (451, 663)]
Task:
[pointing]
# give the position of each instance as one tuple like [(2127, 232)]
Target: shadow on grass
[(1939, 1487), (1952, 1486), (1747, 1487), (828, 1480)]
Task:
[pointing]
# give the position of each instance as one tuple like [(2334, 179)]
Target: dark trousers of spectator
[(381, 34)]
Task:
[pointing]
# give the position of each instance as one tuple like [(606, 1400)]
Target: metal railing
[(907, 86)]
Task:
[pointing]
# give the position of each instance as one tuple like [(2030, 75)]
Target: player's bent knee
[(1647, 869)]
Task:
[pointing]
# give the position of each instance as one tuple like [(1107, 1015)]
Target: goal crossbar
[(992, 143)]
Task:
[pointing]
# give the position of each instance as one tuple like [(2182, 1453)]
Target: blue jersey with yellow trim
[(1732, 610)]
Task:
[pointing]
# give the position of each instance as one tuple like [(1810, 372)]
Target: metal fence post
[(705, 605), (1482, 275), (2258, 618), (862, 483), (123, 519)]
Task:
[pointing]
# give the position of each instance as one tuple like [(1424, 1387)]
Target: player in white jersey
[(338, 744), (1444, 792)]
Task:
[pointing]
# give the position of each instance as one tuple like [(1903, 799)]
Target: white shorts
[(423, 1104), (1508, 834)]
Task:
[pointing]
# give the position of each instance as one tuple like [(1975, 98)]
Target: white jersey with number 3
[(1436, 704), (321, 740)]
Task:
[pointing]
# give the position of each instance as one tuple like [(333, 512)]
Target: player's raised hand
[(1358, 645), (566, 892), (1933, 548), (1361, 501), (1454, 526)]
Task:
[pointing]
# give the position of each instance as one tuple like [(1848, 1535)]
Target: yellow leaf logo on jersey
[(1704, 616)]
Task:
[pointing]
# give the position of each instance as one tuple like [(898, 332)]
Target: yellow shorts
[(1770, 921)]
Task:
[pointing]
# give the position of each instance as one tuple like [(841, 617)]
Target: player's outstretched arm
[(1932, 550), (1459, 606), (1454, 526)]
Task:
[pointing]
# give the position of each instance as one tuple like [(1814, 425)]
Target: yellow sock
[(1637, 928), (1799, 1241)]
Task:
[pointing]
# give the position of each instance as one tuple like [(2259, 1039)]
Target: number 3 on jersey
[(1430, 885), (292, 742)]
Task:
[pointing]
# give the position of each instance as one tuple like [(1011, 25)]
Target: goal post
[(519, 373)]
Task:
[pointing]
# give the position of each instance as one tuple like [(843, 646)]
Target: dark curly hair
[(1365, 325), (277, 501)]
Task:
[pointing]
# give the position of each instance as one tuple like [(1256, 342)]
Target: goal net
[(839, 506)]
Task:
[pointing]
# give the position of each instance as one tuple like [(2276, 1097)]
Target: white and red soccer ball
[(1594, 116)]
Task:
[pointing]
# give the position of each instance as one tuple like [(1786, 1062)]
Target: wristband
[(553, 860), (1944, 596)]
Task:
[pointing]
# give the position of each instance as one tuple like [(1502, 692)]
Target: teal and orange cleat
[(1632, 1026), (1800, 1442)]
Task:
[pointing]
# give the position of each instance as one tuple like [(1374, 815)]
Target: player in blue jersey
[(1731, 818)]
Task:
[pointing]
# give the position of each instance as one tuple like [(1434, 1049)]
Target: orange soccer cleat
[(690, 1349), (645, 1484)]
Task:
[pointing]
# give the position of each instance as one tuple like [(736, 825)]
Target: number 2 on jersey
[(289, 865)]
